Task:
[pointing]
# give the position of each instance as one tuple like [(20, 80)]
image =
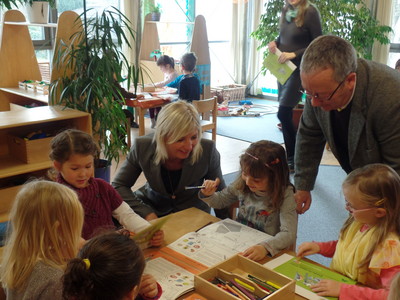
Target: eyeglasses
[(316, 96), (351, 210)]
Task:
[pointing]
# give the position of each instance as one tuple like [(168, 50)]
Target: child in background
[(109, 266), (368, 249), (265, 194), (46, 223), (167, 66), (188, 84), (73, 152)]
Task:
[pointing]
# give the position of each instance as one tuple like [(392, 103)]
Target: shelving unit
[(19, 123), (18, 62), (199, 45)]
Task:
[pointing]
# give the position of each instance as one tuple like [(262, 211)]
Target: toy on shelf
[(155, 54), (34, 86)]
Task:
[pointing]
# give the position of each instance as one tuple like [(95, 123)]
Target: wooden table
[(190, 220), (142, 105)]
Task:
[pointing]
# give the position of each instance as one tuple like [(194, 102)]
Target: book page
[(281, 71), (234, 235), (174, 280), (305, 273), (218, 241), (199, 247)]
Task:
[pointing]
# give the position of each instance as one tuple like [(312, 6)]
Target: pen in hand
[(194, 187)]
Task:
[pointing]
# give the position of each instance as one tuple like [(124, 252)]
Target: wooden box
[(29, 151), (241, 267)]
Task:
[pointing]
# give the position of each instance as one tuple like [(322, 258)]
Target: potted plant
[(92, 64), (351, 20), (155, 10)]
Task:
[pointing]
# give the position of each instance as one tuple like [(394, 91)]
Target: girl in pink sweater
[(368, 249)]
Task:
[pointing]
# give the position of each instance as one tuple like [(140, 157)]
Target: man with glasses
[(353, 104)]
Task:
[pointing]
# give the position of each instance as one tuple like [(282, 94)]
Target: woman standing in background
[(300, 23)]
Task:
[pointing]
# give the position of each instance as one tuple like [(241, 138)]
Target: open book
[(281, 71), (196, 251), (305, 274)]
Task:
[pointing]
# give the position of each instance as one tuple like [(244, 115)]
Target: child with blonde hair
[(368, 249), (109, 266), (265, 195), (46, 223), (73, 152)]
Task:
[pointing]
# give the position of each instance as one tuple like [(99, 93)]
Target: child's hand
[(157, 239), (327, 287), (210, 187), (307, 248), (255, 253), (148, 286)]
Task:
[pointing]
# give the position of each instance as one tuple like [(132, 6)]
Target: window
[(394, 53)]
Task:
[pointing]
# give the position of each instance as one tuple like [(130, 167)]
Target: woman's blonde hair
[(302, 7), (175, 121), (46, 222), (377, 185)]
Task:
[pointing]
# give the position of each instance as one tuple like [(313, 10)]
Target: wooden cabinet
[(18, 59), (19, 122)]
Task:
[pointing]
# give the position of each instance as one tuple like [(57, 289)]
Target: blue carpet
[(322, 222), (252, 129)]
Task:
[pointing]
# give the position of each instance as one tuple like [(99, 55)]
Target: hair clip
[(87, 263), (380, 202), (274, 162)]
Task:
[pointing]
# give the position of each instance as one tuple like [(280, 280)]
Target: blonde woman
[(300, 24), (46, 222), (175, 157)]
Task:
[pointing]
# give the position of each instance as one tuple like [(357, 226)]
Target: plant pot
[(38, 12), (102, 169), (155, 16)]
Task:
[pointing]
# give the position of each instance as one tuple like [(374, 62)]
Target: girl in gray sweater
[(265, 197)]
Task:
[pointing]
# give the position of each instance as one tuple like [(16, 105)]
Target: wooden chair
[(206, 108)]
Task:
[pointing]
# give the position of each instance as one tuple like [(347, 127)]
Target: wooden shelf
[(53, 25), (11, 166), (38, 115), (27, 94)]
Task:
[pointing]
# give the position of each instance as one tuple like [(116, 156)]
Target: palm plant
[(92, 65), (349, 19)]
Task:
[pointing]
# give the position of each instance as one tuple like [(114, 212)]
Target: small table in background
[(142, 105)]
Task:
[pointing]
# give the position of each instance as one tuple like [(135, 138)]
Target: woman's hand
[(307, 248), (285, 56), (272, 47), (210, 187), (151, 216), (327, 287), (148, 286), (157, 239), (255, 253)]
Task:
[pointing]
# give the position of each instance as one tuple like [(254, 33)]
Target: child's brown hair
[(266, 159), (188, 61), (109, 266), (72, 141)]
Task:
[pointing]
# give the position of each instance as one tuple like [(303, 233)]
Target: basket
[(231, 92)]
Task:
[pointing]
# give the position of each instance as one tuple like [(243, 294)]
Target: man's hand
[(303, 200)]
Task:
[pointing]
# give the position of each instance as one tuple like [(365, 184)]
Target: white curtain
[(247, 59), (132, 10), (382, 11)]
